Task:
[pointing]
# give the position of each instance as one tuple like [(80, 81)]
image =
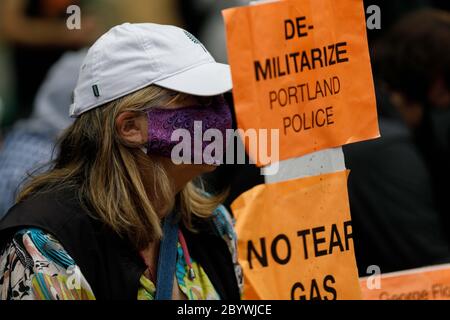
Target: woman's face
[(133, 128), (184, 172)]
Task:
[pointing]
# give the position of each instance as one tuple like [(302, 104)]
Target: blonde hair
[(94, 160)]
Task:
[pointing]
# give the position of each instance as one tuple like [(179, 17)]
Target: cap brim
[(209, 79)]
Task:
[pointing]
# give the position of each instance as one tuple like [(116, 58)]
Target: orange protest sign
[(295, 240), (430, 283), (302, 67)]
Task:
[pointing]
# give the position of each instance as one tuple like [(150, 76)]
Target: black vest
[(108, 262)]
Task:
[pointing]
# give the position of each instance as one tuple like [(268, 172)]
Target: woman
[(116, 218)]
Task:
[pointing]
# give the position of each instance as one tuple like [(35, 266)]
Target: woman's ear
[(132, 127)]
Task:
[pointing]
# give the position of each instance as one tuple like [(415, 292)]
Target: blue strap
[(167, 259)]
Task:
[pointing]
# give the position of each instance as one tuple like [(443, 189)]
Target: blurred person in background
[(398, 218), (396, 222), (30, 143), (37, 34), (413, 62)]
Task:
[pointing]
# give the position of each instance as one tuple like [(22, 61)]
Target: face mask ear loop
[(144, 149)]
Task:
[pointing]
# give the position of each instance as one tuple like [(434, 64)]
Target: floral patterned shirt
[(35, 266)]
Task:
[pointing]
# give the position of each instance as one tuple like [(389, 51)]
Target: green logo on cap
[(96, 91), (194, 39)]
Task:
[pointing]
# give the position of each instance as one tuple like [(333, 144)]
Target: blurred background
[(399, 184)]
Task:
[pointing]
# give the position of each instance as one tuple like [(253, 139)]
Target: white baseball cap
[(130, 57)]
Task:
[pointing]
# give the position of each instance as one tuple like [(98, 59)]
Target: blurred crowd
[(398, 184)]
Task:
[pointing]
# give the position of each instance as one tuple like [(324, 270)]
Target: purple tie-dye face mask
[(194, 137)]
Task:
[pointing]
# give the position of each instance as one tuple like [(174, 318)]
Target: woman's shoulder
[(34, 265), (50, 210), (55, 198), (58, 214)]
